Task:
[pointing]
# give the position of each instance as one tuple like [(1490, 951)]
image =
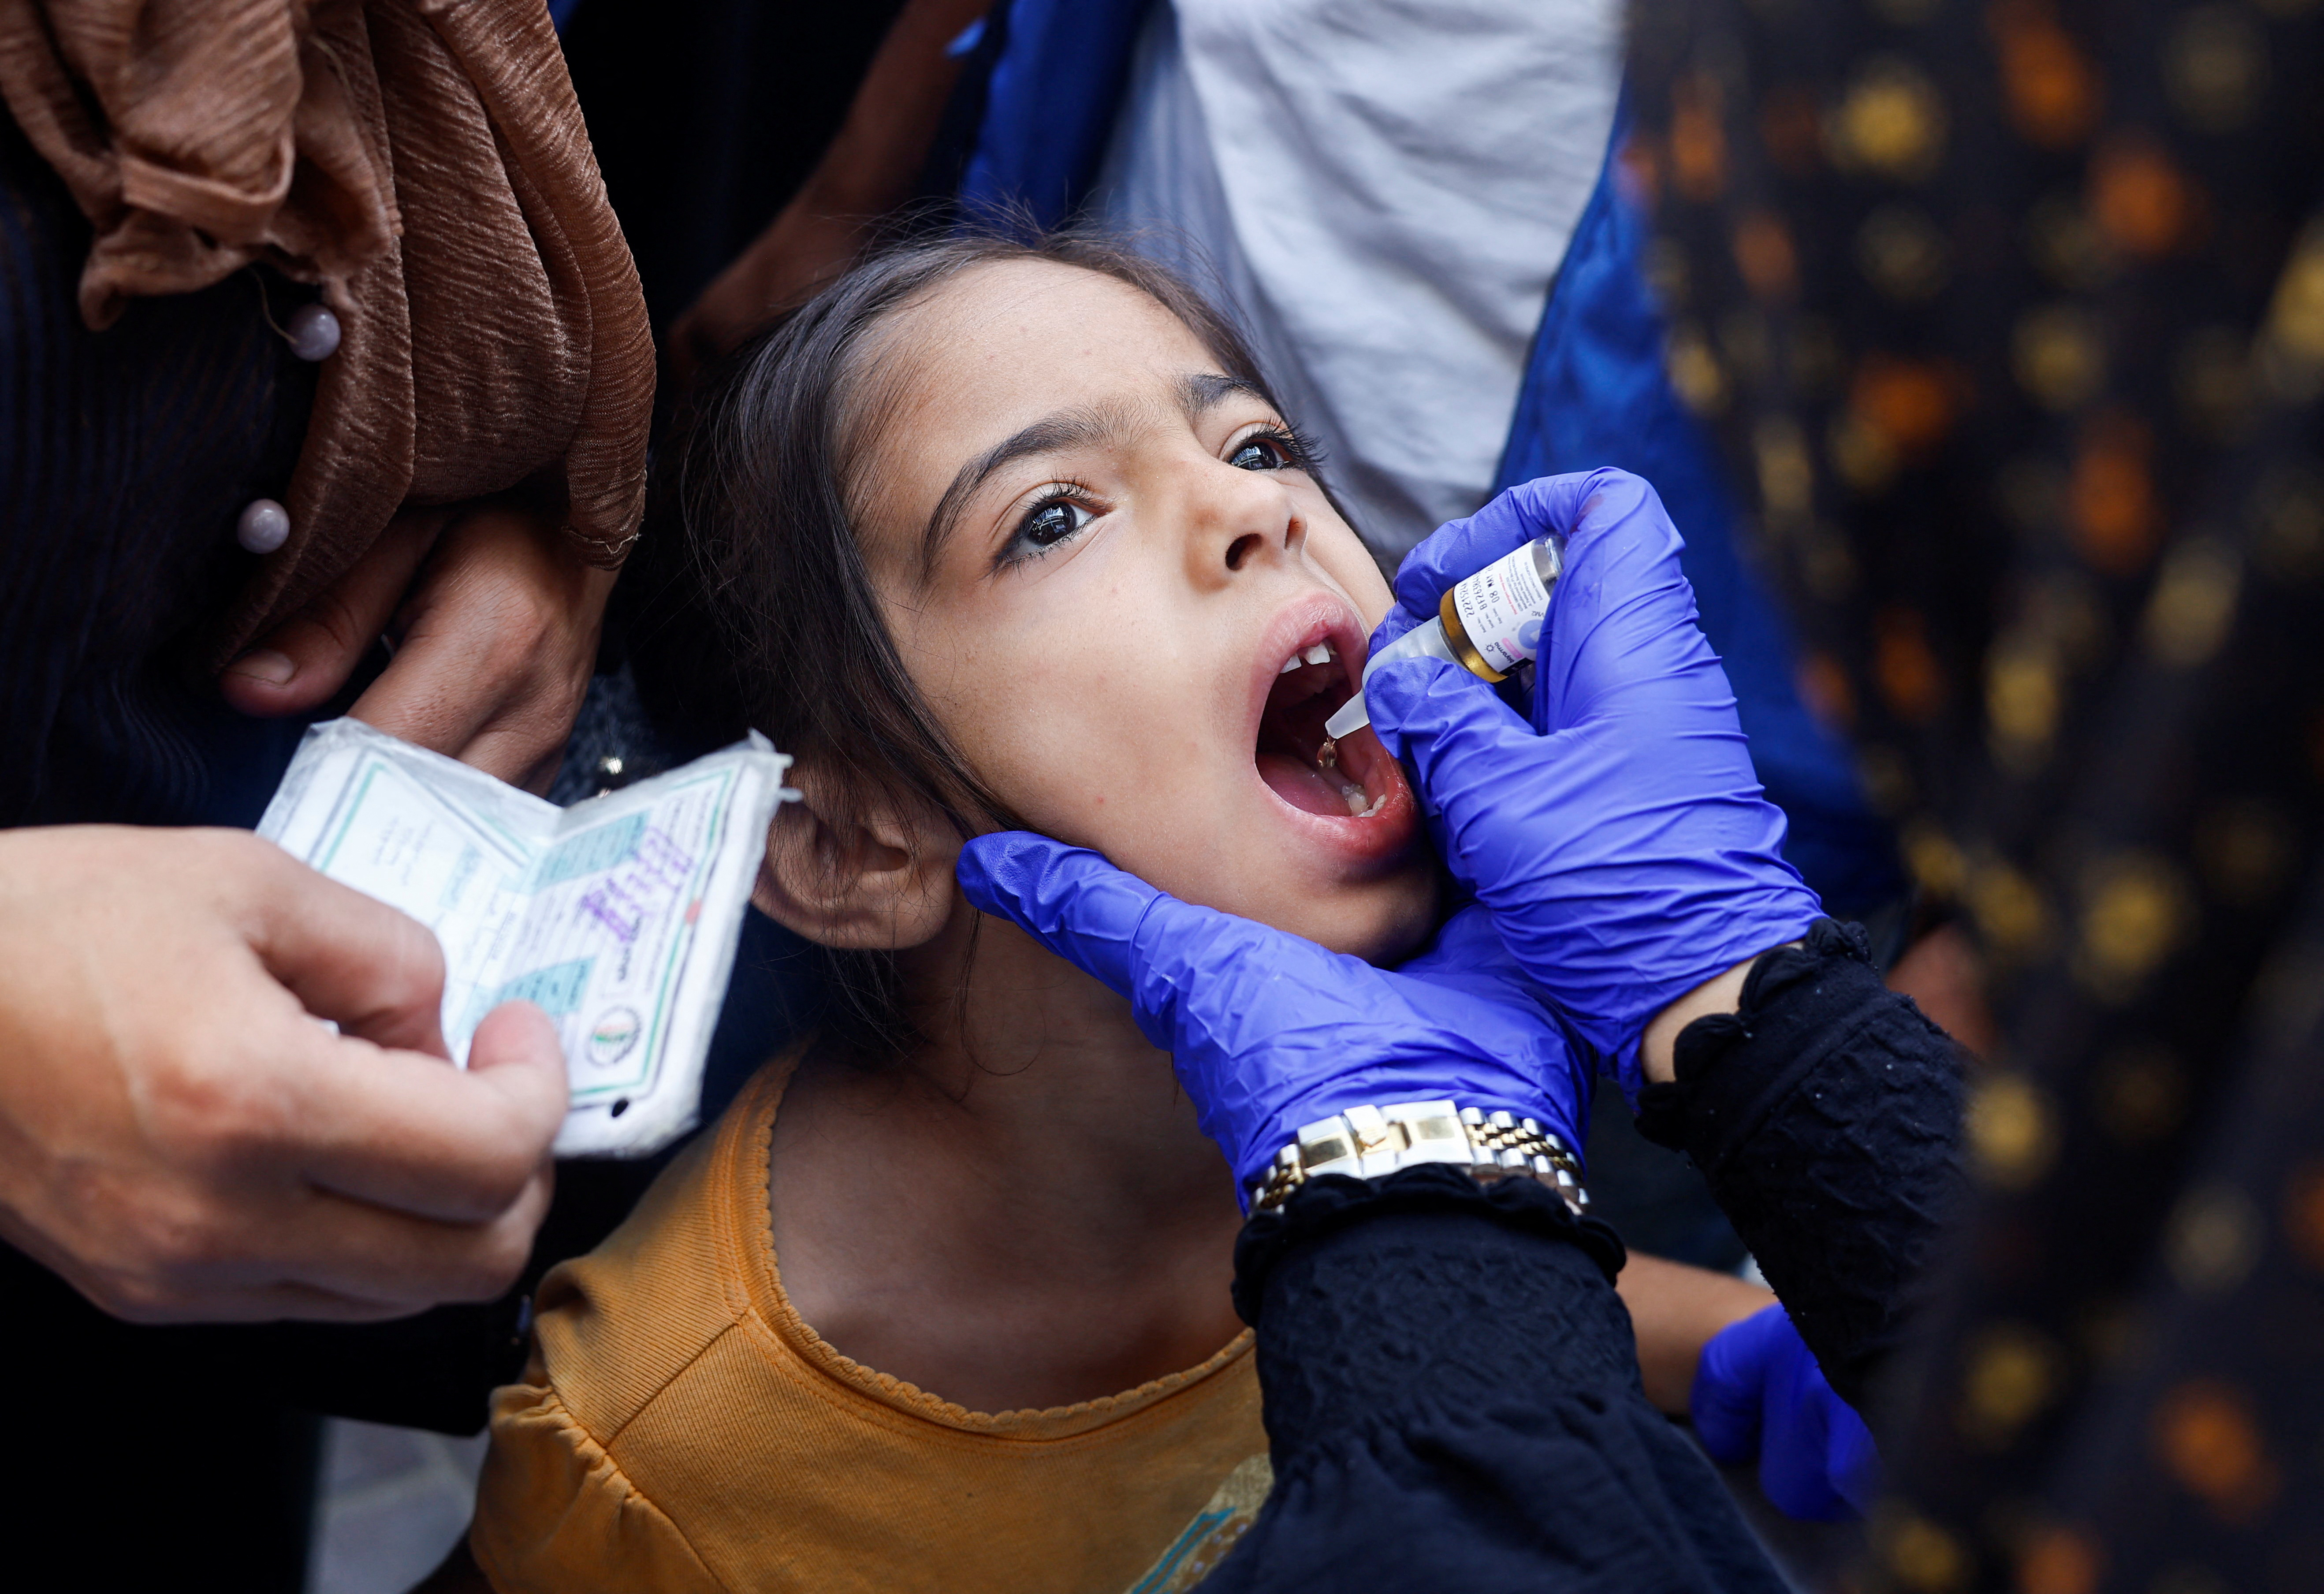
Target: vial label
[(1501, 608)]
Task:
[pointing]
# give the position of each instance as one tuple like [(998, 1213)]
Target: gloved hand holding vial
[(1620, 836)]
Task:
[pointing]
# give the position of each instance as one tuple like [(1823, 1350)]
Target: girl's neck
[(1027, 1214)]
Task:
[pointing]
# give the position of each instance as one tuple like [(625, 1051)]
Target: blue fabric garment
[(1056, 82), (1594, 394)]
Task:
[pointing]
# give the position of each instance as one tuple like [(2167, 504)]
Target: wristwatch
[(1366, 1142)]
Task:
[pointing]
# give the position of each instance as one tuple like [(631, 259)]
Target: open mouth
[(1352, 777)]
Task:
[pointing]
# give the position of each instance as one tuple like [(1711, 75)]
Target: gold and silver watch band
[(1366, 1142)]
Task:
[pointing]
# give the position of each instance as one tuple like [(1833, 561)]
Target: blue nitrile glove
[(1759, 1396), (1270, 1032), (1621, 840)]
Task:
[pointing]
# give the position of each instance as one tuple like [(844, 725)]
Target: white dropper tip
[(1421, 640), (1352, 716)]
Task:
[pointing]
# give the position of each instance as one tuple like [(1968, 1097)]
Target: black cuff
[(1451, 1391), (1324, 1206), (1825, 1113), (1800, 1005)]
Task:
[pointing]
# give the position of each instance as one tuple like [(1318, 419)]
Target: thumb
[(1855, 1460), (1188, 972), (516, 1054), (1463, 742), (1729, 1398), (1069, 898), (1457, 549), (301, 662), (1417, 704)]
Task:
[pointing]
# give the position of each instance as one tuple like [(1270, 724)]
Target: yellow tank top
[(679, 1428)]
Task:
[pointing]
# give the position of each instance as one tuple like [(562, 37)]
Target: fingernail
[(264, 664)]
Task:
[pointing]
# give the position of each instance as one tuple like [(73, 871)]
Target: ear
[(861, 876)]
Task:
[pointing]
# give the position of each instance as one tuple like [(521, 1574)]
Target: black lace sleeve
[(1826, 1115), (1452, 1401)]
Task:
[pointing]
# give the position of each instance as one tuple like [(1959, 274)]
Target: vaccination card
[(618, 917)]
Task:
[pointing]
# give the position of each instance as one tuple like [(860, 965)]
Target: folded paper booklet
[(617, 916)]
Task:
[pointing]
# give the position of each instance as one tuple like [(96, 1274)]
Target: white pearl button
[(265, 526), (314, 332)]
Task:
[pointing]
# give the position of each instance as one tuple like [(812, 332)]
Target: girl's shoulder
[(641, 1326), (612, 1328)]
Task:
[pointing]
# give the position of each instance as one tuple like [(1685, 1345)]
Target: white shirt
[(1383, 189)]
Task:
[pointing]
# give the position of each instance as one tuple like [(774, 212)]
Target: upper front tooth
[(1289, 665), (1320, 653)]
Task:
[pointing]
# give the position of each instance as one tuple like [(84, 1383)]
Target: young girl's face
[(1130, 606)]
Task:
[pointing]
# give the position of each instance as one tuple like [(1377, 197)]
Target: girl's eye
[(1261, 451), (1052, 522), (1045, 526)]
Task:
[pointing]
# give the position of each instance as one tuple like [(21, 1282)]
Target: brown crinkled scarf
[(424, 162)]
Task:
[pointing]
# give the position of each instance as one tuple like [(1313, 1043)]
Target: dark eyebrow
[(1050, 434), (1199, 394)]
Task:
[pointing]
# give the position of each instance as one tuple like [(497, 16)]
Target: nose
[(1242, 519)]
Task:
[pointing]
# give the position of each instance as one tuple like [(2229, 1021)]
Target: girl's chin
[(1383, 919)]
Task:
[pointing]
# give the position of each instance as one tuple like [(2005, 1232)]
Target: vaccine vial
[(1489, 625)]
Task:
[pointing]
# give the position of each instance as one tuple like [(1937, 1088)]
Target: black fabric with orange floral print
[(2011, 317)]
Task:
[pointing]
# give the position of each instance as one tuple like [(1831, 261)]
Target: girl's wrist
[(1677, 1310), (1722, 993)]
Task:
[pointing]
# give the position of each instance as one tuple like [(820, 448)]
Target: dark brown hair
[(792, 641)]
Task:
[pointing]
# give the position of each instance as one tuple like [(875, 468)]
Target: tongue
[(1302, 785)]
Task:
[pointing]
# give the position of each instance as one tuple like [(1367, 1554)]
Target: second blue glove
[(1270, 1032), (1759, 1397), (1621, 840)]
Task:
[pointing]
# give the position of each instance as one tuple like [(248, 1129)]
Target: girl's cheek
[(1344, 559)]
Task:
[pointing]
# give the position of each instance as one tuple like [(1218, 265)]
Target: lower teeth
[(1353, 795)]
